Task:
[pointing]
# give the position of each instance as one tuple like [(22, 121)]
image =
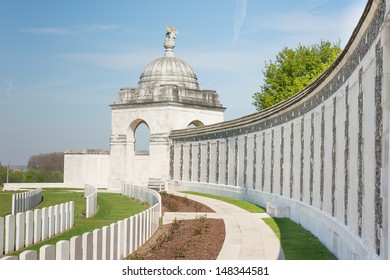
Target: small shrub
[(197, 231), (161, 240), (180, 253), (136, 256), (175, 225)]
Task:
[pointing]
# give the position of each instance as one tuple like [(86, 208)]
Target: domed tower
[(167, 98)]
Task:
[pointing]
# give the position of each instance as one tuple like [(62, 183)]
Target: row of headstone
[(27, 228), (22, 202), (112, 242), (90, 194), (141, 193)]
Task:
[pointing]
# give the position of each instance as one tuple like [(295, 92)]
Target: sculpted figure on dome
[(171, 32)]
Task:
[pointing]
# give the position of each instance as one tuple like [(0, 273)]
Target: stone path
[(247, 235)]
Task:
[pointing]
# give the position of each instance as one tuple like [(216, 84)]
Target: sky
[(62, 63)]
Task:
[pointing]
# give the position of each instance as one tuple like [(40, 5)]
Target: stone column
[(117, 160), (159, 156)]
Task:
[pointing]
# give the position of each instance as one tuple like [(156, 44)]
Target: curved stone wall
[(323, 152)]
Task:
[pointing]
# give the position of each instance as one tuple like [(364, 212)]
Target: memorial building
[(167, 98)]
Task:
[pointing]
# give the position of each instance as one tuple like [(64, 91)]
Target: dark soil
[(198, 239), (173, 203)]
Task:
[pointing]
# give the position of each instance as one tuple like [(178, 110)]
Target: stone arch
[(140, 132), (195, 123)]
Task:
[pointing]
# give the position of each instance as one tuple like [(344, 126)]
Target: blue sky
[(63, 62)]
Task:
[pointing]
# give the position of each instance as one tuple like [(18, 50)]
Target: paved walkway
[(247, 236)]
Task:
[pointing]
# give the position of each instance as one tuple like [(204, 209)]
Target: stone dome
[(168, 79), (169, 69)]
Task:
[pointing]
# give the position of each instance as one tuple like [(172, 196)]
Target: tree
[(47, 162), (293, 70)]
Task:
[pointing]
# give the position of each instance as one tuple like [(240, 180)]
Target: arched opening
[(195, 123), (141, 138)]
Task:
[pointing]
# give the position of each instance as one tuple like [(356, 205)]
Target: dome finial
[(169, 42)]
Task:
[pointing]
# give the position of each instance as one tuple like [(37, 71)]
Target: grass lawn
[(5, 203), (112, 208), (297, 243), (250, 207)]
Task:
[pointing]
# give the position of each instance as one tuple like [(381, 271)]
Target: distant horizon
[(63, 63)]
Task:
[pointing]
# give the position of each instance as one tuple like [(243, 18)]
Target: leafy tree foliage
[(293, 70), (16, 175), (47, 162)]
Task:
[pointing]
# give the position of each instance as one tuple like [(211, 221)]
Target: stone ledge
[(277, 211), (86, 151)]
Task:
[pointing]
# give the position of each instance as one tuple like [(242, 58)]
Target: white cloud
[(71, 30), (239, 18)]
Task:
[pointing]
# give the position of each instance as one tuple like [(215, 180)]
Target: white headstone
[(87, 246), (37, 225), (76, 249), (57, 218), (71, 215), (136, 231), (97, 244), (51, 219), (28, 255), (66, 208), (20, 235), (120, 239), (14, 204), (9, 234), (114, 241), (62, 250), (106, 232), (47, 252), (29, 228), (148, 234), (63, 217), (131, 235), (45, 223), (1, 236), (126, 237)]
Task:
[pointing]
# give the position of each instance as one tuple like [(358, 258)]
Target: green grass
[(5, 203), (250, 207), (112, 208), (297, 243)]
